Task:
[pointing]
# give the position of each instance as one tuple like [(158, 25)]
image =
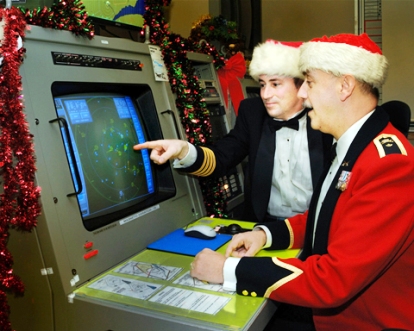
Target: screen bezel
[(103, 22), (142, 95)]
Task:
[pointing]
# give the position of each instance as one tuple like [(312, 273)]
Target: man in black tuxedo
[(285, 155)]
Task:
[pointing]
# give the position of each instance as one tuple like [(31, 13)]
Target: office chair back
[(400, 115)]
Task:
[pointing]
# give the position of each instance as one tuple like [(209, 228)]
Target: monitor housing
[(87, 102), (100, 124), (119, 13)]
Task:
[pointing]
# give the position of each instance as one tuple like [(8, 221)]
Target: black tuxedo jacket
[(242, 142)]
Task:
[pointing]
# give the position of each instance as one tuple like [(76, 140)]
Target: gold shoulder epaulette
[(209, 163), (389, 144)]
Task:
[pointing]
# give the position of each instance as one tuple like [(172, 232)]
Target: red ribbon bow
[(229, 75)]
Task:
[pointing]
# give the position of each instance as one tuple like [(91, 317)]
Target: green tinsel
[(184, 84), (67, 15)]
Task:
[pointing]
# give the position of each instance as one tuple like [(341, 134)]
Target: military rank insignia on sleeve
[(389, 144)]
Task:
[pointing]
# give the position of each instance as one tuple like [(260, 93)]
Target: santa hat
[(276, 58), (346, 54)]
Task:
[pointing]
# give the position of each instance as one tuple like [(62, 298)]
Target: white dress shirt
[(188, 160), (291, 188)]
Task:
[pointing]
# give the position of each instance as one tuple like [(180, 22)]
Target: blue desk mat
[(177, 242)]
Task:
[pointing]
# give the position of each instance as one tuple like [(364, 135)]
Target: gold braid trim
[(209, 163), (291, 236), (295, 273), (389, 144)]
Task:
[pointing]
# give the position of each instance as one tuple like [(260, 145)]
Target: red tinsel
[(67, 15), (19, 205)]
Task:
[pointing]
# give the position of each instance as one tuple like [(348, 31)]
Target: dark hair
[(298, 82), (369, 89)]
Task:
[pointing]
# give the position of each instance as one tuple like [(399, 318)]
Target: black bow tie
[(293, 123)]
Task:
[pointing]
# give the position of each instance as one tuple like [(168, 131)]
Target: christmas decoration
[(223, 34), (67, 15), (19, 206), (216, 28), (219, 31), (229, 76), (184, 84)]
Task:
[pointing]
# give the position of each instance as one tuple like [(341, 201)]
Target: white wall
[(398, 47), (181, 14), (281, 19), (294, 20)]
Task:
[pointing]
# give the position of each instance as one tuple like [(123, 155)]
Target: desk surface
[(160, 282)]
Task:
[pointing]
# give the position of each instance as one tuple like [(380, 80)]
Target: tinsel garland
[(67, 15), (185, 85), (214, 28), (220, 31), (19, 205)]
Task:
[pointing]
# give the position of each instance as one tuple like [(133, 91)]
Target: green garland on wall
[(184, 84), (67, 15)]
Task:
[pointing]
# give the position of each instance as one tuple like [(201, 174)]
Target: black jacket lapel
[(319, 146), (371, 128)]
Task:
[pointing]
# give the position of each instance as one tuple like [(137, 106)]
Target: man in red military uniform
[(356, 267)]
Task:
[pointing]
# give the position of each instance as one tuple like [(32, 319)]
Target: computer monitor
[(100, 124), (121, 13)]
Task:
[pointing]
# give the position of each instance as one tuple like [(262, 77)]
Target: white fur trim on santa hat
[(341, 58), (275, 58)]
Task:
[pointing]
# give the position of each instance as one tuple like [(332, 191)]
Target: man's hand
[(208, 266), (164, 150), (246, 244)]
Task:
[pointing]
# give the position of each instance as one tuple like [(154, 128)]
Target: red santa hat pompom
[(276, 58), (346, 54)]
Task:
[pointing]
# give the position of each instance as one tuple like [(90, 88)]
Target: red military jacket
[(365, 280)]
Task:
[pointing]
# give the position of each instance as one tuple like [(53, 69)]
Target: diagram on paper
[(125, 286), (148, 270), (187, 280)]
